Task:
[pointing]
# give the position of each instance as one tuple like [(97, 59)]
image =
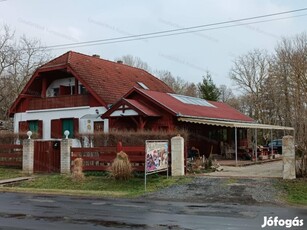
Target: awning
[(233, 124)]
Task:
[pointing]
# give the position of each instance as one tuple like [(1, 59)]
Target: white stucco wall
[(57, 83), (128, 112), (86, 115)]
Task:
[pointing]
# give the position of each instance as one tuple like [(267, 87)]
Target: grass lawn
[(295, 190), (7, 173), (96, 185)]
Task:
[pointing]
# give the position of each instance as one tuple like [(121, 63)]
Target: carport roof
[(233, 124)]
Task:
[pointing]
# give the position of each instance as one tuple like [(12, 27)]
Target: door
[(47, 156)]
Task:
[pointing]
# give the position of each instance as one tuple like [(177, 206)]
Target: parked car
[(276, 145)]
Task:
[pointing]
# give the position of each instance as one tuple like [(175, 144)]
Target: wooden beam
[(44, 87), (76, 86)]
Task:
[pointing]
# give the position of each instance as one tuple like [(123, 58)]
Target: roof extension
[(189, 107), (212, 110)]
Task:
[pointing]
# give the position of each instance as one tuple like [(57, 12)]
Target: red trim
[(116, 106), (134, 89), (76, 86), (36, 74), (44, 87)]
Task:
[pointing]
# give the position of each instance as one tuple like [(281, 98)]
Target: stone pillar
[(65, 155), (28, 156), (177, 151), (288, 155)]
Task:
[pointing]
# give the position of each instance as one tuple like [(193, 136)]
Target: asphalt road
[(28, 211)]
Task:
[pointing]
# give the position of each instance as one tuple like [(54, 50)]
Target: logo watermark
[(276, 222)]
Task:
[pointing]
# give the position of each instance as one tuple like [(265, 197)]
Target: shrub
[(129, 138), (121, 168), (7, 137), (77, 173)]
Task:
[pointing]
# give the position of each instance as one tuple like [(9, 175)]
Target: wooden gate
[(47, 156)]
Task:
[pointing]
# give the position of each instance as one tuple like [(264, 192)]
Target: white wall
[(56, 84), (86, 115)]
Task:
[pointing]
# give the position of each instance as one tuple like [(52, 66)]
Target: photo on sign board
[(156, 156)]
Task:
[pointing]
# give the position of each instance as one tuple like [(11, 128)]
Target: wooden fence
[(11, 155), (101, 158)]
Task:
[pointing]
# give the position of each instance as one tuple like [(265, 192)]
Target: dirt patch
[(222, 190)]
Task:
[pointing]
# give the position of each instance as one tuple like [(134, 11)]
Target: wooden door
[(47, 156)]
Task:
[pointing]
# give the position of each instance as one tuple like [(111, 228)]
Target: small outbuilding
[(214, 127)]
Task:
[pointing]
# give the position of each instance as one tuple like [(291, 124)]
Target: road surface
[(28, 211)]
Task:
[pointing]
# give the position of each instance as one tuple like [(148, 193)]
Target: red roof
[(141, 108), (108, 80), (218, 110)]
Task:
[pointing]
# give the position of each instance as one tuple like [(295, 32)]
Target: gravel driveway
[(250, 185), (271, 169)]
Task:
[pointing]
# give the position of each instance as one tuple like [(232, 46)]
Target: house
[(72, 91), (209, 122)]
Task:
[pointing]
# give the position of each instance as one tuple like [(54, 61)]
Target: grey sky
[(187, 55)]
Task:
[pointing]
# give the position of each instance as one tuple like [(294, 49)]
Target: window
[(82, 90), (98, 126), (68, 124), (59, 126), (142, 85), (56, 92), (35, 126)]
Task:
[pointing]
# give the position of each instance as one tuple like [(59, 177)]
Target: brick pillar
[(288, 155), (28, 156), (65, 155), (177, 151)]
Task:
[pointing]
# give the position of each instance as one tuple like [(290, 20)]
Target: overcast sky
[(186, 55)]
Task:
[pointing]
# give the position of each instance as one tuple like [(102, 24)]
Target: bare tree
[(134, 61), (226, 94), (289, 72), (275, 88), (179, 85), (18, 60), (250, 72)]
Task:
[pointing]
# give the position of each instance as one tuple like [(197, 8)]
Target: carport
[(236, 125)]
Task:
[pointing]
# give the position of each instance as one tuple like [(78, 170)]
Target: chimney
[(120, 62), (96, 56)]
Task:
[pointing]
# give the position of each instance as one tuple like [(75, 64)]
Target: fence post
[(288, 155), (177, 151), (28, 156), (65, 155), (119, 146)]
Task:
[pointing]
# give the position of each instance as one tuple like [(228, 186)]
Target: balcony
[(58, 102)]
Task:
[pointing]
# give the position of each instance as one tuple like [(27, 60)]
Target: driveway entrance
[(270, 169)]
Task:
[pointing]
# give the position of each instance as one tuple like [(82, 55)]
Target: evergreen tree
[(207, 89)]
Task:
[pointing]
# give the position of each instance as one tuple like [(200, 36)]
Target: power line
[(111, 41), (178, 31)]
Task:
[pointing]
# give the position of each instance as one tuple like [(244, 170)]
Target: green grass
[(295, 191), (7, 173), (97, 185)]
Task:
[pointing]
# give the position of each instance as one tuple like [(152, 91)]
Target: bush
[(77, 173), (121, 168), (7, 137), (129, 138)]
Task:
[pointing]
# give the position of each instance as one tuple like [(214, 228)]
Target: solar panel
[(191, 100)]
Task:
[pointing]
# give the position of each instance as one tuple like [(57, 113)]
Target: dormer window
[(82, 89), (142, 85)]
